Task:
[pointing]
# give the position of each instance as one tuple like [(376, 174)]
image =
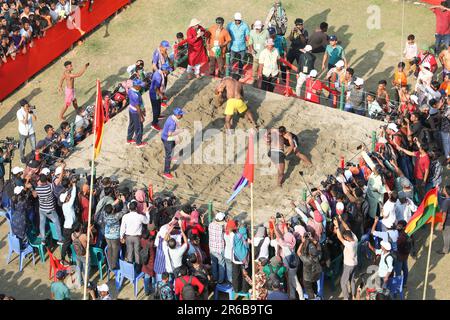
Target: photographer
[(309, 253), (25, 116), (4, 158)]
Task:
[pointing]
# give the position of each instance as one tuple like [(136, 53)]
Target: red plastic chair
[(55, 265)]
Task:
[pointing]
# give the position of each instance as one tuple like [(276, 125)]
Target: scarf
[(142, 206), (231, 226), (240, 245), (289, 240)]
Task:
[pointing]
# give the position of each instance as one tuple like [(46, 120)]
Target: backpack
[(188, 292), (80, 250), (144, 255), (162, 294)]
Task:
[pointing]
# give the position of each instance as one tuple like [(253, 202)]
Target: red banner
[(57, 40)]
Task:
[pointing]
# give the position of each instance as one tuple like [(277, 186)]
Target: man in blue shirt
[(239, 32), (161, 55), (168, 135), (137, 114), (157, 91)]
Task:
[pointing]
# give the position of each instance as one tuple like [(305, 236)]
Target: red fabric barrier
[(57, 40)]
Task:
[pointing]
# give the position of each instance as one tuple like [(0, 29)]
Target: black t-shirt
[(416, 128), (299, 40)]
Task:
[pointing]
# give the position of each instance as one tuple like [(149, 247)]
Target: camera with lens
[(329, 181), (279, 215), (9, 141)]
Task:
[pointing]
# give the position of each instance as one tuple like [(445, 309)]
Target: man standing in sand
[(444, 58), (275, 141), (235, 102), (69, 77), (292, 143)]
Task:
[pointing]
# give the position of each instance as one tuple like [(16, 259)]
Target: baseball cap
[(61, 274), (16, 170), (359, 81), (139, 83), (333, 38), (165, 44), (220, 216), (63, 196), (386, 245), (166, 67), (298, 21), (45, 171), (257, 24), (313, 73), (393, 127), (237, 16), (269, 42), (103, 288), (340, 64), (178, 112), (18, 189), (58, 171), (272, 30)]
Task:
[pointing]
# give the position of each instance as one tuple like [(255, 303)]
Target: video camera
[(9, 141)]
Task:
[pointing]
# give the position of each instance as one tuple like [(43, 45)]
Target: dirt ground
[(136, 32)]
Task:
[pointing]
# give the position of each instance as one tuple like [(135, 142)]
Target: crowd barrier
[(57, 40)]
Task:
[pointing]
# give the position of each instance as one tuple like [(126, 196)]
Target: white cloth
[(388, 214), (410, 51), (174, 255), (351, 252), (228, 245), (404, 211), (270, 61), (132, 224), (25, 129), (264, 250), (69, 210)]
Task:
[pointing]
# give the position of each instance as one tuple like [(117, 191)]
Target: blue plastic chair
[(97, 259), (127, 270), (225, 288), (395, 286), (14, 246)]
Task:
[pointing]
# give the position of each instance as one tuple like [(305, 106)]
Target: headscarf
[(142, 206), (289, 240), (231, 226), (240, 245)]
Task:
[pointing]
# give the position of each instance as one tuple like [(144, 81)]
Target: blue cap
[(139, 83), (178, 112), (61, 274), (333, 38), (272, 30), (166, 67), (165, 44)]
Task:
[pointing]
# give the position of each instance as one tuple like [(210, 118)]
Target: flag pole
[(425, 284), (86, 267), (252, 219)]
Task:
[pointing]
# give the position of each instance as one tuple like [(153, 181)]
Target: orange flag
[(98, 121)]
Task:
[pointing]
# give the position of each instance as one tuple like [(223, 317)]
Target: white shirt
[(351, 252), (25, 129), (404, 211), (228, 245), (410, 51), (386, 263), (264, 250), (132, 224), (388, 236), (270, 61), (174, 255), (69, 211), (388, 214)]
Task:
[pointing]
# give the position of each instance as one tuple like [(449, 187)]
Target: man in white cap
[(298, 38), (240, 33), (17, 176), (268, 66), (257, 42), (103, 292), (336, 78), (356, 99), (305, 65), (216, 230), (197, 55), (314, 88), (386, 266)]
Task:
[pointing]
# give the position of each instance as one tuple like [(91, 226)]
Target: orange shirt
[(445, 86), (400, 78), (217, 38)]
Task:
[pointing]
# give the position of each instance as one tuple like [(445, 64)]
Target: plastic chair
[(127, 270), (55, 265), (14, 246), (97, 259), (74, 254), (395, 286), (226, 288), (54, 234), (36, 242), (241, 294), (334, 270)]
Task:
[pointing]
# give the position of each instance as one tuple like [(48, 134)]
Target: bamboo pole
[(252, 218), (425, 284)]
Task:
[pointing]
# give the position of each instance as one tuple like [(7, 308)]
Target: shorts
[(70, 96), (277, 156), (234, 105)]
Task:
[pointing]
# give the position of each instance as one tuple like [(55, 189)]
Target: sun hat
[(359, 81), (18, 190), (238, 16), (194, 22), (103, 288), (16, 170), (393, 127), (258, 24)]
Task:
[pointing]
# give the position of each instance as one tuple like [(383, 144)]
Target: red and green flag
[(98, 121), (426, 213)]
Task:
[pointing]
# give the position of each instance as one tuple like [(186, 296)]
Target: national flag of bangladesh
[(426, 213)]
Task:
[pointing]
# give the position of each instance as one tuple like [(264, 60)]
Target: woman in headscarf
[(193, 226), (228, 253), (142, 206), (240, 258)]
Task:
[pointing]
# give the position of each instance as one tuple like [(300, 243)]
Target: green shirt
[(258, 40), (279, 270), (334, 54), (281, 45), (60, 291)]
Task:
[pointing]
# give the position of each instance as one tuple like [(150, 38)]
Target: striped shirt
[(46, 198), (216, 240)]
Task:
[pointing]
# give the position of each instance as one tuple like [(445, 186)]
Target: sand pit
[(324, 134)]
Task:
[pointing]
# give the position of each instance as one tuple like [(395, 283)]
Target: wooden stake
[(425, 284), (252, 219)]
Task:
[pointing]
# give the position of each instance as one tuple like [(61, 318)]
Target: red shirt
[(430, 58), (422, 164), (313, 90), (84, 204), (442, 21), (179, 285)]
